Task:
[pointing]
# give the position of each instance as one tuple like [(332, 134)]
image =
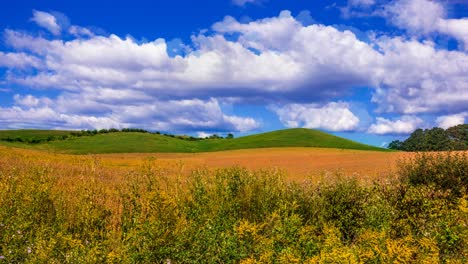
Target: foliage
[(446, 171), (435, 139), (74, 209)]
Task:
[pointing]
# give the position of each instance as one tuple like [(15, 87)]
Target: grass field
[(31, 133), (159, 208), (150, 143)]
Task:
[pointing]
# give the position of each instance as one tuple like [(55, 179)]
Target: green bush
[(447, 171)]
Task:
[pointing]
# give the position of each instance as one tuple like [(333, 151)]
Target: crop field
[(296, 163), (292, 205)]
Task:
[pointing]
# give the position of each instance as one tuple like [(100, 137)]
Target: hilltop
[(132, 142)]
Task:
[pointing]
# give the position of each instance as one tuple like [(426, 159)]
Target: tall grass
[(79, 211)]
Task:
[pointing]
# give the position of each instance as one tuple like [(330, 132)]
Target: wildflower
[(29, 250), (2, 257)]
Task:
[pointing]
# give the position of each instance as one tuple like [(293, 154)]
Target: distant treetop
[(435, 139)]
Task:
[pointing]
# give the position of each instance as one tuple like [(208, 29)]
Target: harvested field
[(297, 163)]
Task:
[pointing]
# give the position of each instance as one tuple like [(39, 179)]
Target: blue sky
[(368, 70)]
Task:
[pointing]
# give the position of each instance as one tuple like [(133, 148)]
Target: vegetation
[(148, 142), (435, 139), (79, 211), (33, 136)]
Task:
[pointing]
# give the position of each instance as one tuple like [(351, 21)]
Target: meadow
[(58, 208), (138, 142)]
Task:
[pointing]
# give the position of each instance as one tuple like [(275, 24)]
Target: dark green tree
[(395, 144), (459, 136), (437, 139), (416, 141)]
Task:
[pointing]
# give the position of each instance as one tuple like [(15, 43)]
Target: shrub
[(447, 171)]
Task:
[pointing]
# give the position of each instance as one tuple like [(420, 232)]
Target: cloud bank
[(303, 69)]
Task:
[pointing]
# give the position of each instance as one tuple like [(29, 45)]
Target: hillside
[(132, 142)]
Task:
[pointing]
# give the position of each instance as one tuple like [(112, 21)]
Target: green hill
[(31, 134), (145, 142)]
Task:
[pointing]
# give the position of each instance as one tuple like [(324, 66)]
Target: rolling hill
[(132, 142)]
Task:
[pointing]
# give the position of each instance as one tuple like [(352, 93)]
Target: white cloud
[(244, 2), (405, 125), (365, 3), (458, 28), (417, 77), (333, 116), (422, 17), (47, 21), (277, 59), (31, 101), (291, 60), (203, 134), (19, 60), (451, 120), (74, 111), (80, 31), (417, 16), (358, 8)]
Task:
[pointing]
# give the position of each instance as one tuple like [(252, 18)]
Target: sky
[(368, 70)]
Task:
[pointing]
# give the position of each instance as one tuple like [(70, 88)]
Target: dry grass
[(298, 164), (147, 208)]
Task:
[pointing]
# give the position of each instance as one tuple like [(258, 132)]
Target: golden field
[(290, 205), (297, 163)]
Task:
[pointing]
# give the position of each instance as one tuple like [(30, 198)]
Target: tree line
[(84, 133), (434, 139)]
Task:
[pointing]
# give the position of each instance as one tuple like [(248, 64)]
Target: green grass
[(143, 142)]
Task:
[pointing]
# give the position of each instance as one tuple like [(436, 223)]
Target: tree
[(230, 136), (437, 139), (416, 141), (459, 136), (395, 144)]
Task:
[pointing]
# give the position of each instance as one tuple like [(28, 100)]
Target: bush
[(447, 171)]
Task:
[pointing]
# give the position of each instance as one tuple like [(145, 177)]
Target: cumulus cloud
[(425, 17), (404, 125), (290, 61), (31, 101), (332, 116), (419, 78), (74, 111), (457, 28), (415, 15), (47, 21), (19, 60), (279, 59), (451, 120)]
